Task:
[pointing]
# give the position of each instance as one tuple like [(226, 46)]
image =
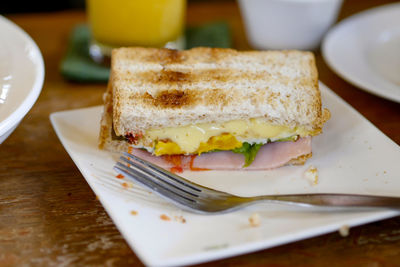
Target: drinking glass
[(147, 23)]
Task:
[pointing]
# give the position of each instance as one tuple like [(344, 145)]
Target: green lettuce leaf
[(249, 152)]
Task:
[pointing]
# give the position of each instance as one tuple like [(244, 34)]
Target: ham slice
[(269, 156)]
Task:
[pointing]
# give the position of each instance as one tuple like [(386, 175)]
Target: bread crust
[(300, 160), (106, 126), (209, 85)]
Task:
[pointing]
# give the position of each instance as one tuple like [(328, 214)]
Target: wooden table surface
[(50, 216)]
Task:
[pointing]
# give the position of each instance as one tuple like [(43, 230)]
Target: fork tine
[(161, 177), (143, 179), (135, 169), (170, 177)]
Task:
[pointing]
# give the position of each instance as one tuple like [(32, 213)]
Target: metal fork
[(199, 199)]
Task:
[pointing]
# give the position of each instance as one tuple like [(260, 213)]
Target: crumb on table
[(134, 212)]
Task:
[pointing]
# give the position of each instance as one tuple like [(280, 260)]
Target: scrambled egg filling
[(201, 138), (222, 142)]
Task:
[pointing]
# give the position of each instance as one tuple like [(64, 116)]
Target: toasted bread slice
[(155, 88)]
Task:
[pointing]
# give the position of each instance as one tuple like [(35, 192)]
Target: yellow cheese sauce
[(204, 137)]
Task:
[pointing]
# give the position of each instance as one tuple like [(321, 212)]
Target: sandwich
[(212, 108)]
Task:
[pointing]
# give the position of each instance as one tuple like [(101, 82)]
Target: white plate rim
[(333, 33), (16, 116)]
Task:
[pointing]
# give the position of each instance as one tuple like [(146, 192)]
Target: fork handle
[(336, 200)]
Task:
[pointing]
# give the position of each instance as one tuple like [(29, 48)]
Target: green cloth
[(78, 66), (215, 34)]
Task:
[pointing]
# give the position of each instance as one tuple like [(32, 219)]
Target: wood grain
[(49, 216)]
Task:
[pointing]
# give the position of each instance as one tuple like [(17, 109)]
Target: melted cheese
[(196, 138)]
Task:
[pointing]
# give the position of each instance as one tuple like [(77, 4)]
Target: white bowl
[(288, 24), (21, 75)]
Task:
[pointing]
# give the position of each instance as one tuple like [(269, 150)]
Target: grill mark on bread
[(172, 76), (165, 57), (207, 78), (175, 99), (170, 98), (164, 76), (171, 56)]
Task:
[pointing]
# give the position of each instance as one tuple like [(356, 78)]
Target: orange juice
[(136, 22)]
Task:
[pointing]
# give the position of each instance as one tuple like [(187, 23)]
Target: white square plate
[(352, 156)]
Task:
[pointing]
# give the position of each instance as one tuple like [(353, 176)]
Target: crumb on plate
[(180, 219), (254, 220), (119, 176), (134, 212), (127, 185), (344, 230), (164, 217), (311, 174)]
